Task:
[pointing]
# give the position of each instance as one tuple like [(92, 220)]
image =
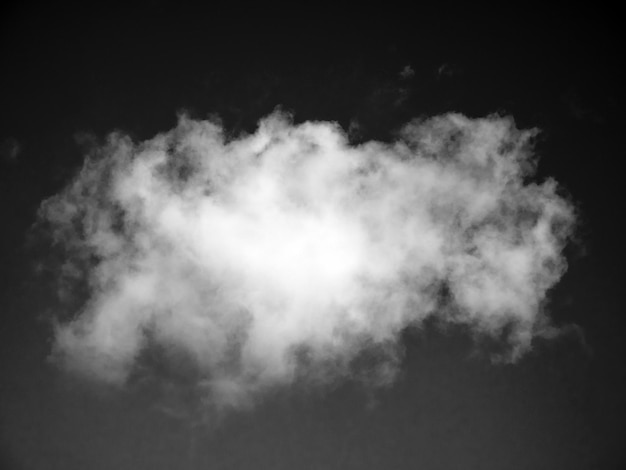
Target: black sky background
[(69, 74)]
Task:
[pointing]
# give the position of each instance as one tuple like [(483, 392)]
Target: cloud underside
[(289, 254)]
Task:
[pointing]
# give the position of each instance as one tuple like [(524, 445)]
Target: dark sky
[(68, 74)]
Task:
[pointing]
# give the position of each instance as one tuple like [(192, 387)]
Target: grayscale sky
[(250, 239)]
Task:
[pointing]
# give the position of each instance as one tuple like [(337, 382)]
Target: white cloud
[(286, 254)]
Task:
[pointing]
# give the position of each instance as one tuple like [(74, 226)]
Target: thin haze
[(288, 254)]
